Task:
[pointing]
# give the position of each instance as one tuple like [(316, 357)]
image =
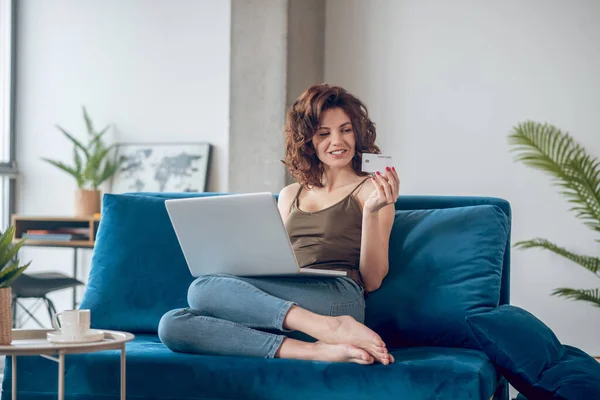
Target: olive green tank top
[(328, 238)]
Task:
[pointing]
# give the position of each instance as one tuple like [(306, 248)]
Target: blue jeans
[(230, 315)]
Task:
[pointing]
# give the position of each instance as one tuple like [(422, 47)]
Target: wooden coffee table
[(28, 342)]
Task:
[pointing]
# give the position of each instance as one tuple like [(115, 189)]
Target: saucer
[(93, 335)]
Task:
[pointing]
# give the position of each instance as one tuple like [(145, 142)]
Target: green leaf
[(590, 263), (62, 166), (88, 122), (6, 240), (77, 159), (102, 154), (96, 143), (75, 141), (543, 146), (8, 269), (547, 148), (10, 278), (9, 253), (584, 172), (88, 170), (589, 295), (109, 170), (70, 170), (94, 170), (91, 170)]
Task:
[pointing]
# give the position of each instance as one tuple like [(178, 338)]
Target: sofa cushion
[(519, 341), (153, 371), (445, 264), (575, 376), (531, 357), (138, 271)]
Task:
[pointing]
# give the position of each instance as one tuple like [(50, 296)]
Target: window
[(7, 143)]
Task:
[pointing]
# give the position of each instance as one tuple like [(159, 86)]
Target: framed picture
[(162, 167)]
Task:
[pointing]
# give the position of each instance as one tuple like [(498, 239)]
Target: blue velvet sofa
[(449, 258)]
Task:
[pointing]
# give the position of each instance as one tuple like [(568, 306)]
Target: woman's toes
[(358, 354), (366, 359)]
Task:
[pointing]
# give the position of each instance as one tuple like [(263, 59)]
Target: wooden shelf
[(57, 243), (57, 219), (25, 223)]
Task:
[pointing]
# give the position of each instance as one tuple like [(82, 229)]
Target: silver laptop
[(240, 234)]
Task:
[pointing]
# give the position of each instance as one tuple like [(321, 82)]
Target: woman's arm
[(374, 263), (285, 199), (378, 218)]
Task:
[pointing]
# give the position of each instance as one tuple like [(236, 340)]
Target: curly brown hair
[(302, 122)]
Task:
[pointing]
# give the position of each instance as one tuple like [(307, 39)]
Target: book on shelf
[(57, 234)]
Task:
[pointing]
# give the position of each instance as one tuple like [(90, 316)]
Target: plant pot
[(5, 316), (87, 202)]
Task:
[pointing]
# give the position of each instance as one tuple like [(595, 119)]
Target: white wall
[(446, 82), (157, 70)]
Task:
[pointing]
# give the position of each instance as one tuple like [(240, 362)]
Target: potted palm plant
[(577, 175), (91, 167), (9, 271)]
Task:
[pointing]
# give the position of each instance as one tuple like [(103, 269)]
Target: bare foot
[(337, 330), (347, 330), (319, 351), (342, 353)]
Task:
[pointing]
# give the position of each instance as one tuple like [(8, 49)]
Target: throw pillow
[(138, 270), (531, 357), (444, 264)]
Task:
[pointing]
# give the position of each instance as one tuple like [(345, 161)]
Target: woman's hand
[(387, 187)]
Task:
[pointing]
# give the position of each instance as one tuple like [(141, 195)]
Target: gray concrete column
[(258, 95), (306, 46), (306, 49), (277, 51)]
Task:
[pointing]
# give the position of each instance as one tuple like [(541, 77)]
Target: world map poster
[(162, 167)]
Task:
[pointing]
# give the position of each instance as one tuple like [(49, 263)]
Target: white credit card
[(376, 162)]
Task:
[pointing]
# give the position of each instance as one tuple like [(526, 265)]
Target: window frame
[(8, 169)]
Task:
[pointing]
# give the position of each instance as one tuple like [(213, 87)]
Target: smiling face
[(334, 140), (327, 127)]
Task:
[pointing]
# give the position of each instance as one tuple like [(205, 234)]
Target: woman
[(337, 217)]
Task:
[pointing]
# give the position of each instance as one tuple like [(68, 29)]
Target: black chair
[(38, 286)]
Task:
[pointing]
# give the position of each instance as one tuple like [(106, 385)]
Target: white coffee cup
[(72, 323)]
